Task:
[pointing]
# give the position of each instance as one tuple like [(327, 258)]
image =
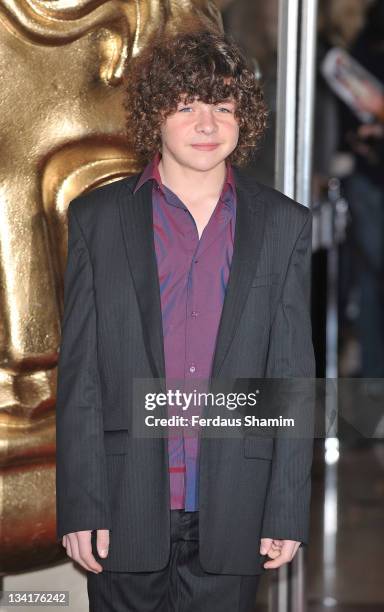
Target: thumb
[(102, 542), (265, 545)]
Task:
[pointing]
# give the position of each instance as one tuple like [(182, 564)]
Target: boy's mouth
[(205, 147)]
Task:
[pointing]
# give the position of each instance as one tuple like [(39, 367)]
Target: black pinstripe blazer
[(106, 477)]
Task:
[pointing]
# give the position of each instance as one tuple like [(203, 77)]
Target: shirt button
[(192, 369)]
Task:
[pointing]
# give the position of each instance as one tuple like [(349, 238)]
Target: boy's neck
[(195, 184)]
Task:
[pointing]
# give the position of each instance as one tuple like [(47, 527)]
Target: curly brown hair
[(203, 64)]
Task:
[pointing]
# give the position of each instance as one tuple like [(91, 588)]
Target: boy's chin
[(204, 161)]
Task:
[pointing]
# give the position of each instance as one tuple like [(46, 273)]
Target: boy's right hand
[(79, 548)]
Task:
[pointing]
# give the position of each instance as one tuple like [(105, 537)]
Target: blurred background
[(321, 64)]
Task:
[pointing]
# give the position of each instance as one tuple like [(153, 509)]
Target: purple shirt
[(193, 276)]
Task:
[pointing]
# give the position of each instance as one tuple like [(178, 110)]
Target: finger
[(68, 546), (265, 545), (273, 554), (86, 557), (75, 550), (278, 562), (276, 548), (102, 542)]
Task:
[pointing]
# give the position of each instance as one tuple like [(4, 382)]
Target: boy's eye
[(224, 108)]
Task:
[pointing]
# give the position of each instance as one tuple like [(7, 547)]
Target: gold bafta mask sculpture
[(61, 133)]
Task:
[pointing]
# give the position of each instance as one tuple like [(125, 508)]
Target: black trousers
[(183, 586)]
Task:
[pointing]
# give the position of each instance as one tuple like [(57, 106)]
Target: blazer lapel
[(137, 226), (249, 231)]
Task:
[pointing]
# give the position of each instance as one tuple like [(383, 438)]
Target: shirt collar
[(151, 171)]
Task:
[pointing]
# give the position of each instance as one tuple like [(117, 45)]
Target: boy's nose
[(206, 123)]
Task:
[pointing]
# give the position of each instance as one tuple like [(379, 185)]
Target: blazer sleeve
[(291, 355), (81, 482)]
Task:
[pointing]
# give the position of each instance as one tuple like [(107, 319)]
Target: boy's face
[(189, 133)]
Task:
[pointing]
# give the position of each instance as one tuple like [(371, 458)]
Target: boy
[(188, 271)]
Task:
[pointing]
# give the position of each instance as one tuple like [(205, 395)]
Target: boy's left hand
[(279, 551)]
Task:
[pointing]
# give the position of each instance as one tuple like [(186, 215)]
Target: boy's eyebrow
[(227, 100)]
